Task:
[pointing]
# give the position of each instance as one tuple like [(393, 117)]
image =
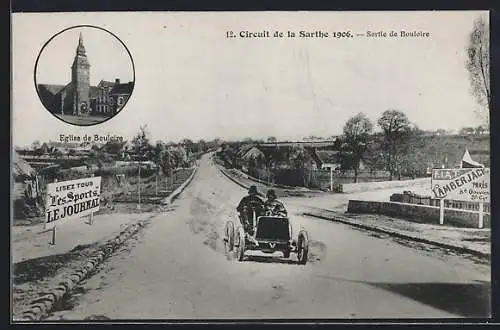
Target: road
[(176, 268)]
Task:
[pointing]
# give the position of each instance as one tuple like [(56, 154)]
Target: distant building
[(78, 98)]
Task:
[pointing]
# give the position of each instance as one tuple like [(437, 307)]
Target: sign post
[(70, 200), (53, 240), (462, 184), (441, 211), (91, 219), (481, 214), (53, 236), (331, 179)]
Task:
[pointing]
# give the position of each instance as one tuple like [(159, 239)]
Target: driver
[(246, 206), (273, 206)]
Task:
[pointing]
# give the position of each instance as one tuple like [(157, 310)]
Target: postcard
[(250, 166)]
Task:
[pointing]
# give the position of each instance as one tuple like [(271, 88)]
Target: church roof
[(328, 156), (123, 88), (105, 83), (94, 92), (253, 153), (52, 89), (80, 50)]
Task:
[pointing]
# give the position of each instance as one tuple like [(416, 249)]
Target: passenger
[(246, 207), (273, 206)]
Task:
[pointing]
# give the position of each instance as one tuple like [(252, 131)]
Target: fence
[(411, 198), (116, 182), (419, 213), (317, 178)]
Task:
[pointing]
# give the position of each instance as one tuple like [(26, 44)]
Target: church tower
[(80, 80)]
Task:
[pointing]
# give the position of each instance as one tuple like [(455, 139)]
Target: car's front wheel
[(302, 247)]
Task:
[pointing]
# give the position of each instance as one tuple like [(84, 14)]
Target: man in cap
[(246, 207), (273, 206)]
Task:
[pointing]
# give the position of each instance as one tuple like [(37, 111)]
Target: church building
[(79, 98)]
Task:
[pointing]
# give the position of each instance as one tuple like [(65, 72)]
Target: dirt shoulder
[(39, 266)]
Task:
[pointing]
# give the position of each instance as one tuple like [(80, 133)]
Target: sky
[(193, 82), (56, 58)]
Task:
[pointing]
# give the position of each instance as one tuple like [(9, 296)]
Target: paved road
[(176, 268)]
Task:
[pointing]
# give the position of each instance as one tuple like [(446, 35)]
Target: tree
[(479, 130), (114, 147), (188, 145), (396, 128), (312, 138), (441, 131), (355, 137), (414, 160), (166, 160), (478, 63), (272, 139), (141, 147), (467, 131), (36, 145), (57, 153), (202, 145), (38, 152), (216, 143), (299, 158), (374, 155), (248, 140), (158, 151)]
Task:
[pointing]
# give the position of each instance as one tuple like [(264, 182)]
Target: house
[(327, 159), (253, 154), (25, 179)]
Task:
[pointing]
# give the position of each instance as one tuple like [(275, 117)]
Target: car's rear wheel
[(229, 238), (239, 244)]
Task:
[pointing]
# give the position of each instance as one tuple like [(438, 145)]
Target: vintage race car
[(270, 234)]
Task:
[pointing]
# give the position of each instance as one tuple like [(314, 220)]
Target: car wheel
[(229, 238), (239, 244), (302, 247)]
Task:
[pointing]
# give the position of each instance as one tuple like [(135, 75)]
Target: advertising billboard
[(71, 199), (463, 184)]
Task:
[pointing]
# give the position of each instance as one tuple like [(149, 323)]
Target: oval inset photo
[(84, 75)]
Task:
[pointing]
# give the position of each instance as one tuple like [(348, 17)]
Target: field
[(452, 148)]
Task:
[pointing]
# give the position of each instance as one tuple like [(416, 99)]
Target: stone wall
[(419, 213)]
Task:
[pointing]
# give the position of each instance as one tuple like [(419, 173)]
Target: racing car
[(270, 234)]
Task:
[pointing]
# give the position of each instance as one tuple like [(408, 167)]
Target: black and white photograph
[(268, 166), (84, 75)]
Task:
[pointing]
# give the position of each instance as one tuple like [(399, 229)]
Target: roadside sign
[(71, 199), (463, 184)]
